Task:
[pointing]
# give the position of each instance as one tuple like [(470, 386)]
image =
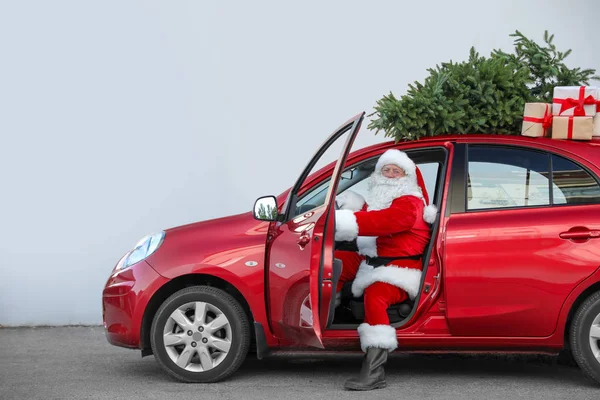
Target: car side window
[(355, 179), (429, 170), (571, 184), (316, 196), (500, 177)]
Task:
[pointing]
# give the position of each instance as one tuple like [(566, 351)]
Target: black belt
[(379, 261)]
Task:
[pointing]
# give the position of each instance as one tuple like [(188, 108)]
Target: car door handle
[(303, 240), (580, 234)]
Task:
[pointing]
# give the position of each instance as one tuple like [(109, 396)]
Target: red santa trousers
[(377, 297)]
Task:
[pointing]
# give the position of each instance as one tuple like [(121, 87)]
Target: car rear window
[(571, 184), (509, 177)]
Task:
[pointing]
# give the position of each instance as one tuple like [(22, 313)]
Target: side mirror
[(265, 208)]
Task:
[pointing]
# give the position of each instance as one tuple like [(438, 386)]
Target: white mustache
[(382, 190)]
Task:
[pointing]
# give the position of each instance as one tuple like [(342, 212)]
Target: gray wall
[(120, 118)]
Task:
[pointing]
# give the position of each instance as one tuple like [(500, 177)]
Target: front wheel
[(585, 337), (200, 334)]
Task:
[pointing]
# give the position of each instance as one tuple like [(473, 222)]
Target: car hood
[(213, 242)]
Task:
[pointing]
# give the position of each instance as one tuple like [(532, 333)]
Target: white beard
[(382, 191)]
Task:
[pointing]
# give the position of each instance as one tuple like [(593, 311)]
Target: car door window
[(501, 177), (571, 184), (315, 197), (355, 177)]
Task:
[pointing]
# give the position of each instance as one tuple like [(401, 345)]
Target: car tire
[(584, 345), (185, 339)]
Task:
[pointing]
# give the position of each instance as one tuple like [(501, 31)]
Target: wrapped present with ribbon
[(537, 120), (580, 101), (572, 127), (596, 125)]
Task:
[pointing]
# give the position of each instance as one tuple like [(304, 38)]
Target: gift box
[(537, 120), (582, 101), (572, 128), (596, 125)]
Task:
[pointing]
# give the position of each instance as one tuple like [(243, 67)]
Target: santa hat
[(399, 158)]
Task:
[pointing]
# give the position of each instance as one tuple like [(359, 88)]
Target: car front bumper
[(124, 300)]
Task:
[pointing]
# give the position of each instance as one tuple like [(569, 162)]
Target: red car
[(513, 264)]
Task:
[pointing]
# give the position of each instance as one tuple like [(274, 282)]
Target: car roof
[(588, 149)]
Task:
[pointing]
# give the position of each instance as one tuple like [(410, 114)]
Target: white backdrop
[(119, 117)]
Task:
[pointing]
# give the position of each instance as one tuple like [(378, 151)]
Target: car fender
[(248, 281), (567, 307)]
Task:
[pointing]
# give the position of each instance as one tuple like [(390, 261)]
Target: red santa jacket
[(396, 231), (399, 230)]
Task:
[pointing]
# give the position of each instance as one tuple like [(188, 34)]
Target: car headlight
[(143, 248)]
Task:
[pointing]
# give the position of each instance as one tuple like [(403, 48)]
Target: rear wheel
[(585, 337), (200, 334)]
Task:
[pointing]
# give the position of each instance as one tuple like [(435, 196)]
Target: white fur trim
[(418, 194), (408, 279), (430, 213), (346, 228), (383, 191), (350, 200), (379, 336), (398, 158), (367, 245)]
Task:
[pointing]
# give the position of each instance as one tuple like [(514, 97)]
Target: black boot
[(372, 375)]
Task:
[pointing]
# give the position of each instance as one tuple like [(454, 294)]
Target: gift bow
[(577, 103), (546, 121)]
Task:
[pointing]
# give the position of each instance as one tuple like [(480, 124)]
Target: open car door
[(301, 277)]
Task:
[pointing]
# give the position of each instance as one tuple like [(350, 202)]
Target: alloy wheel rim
[(595, 337), (197, 336)]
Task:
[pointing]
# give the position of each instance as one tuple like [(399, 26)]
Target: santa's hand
[(350, 200)]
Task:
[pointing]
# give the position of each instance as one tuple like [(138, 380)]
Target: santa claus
[(391, 228)]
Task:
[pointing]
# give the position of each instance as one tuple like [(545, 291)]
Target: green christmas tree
[(480, 95)]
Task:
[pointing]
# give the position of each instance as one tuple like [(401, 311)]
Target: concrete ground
[(78, 363)]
